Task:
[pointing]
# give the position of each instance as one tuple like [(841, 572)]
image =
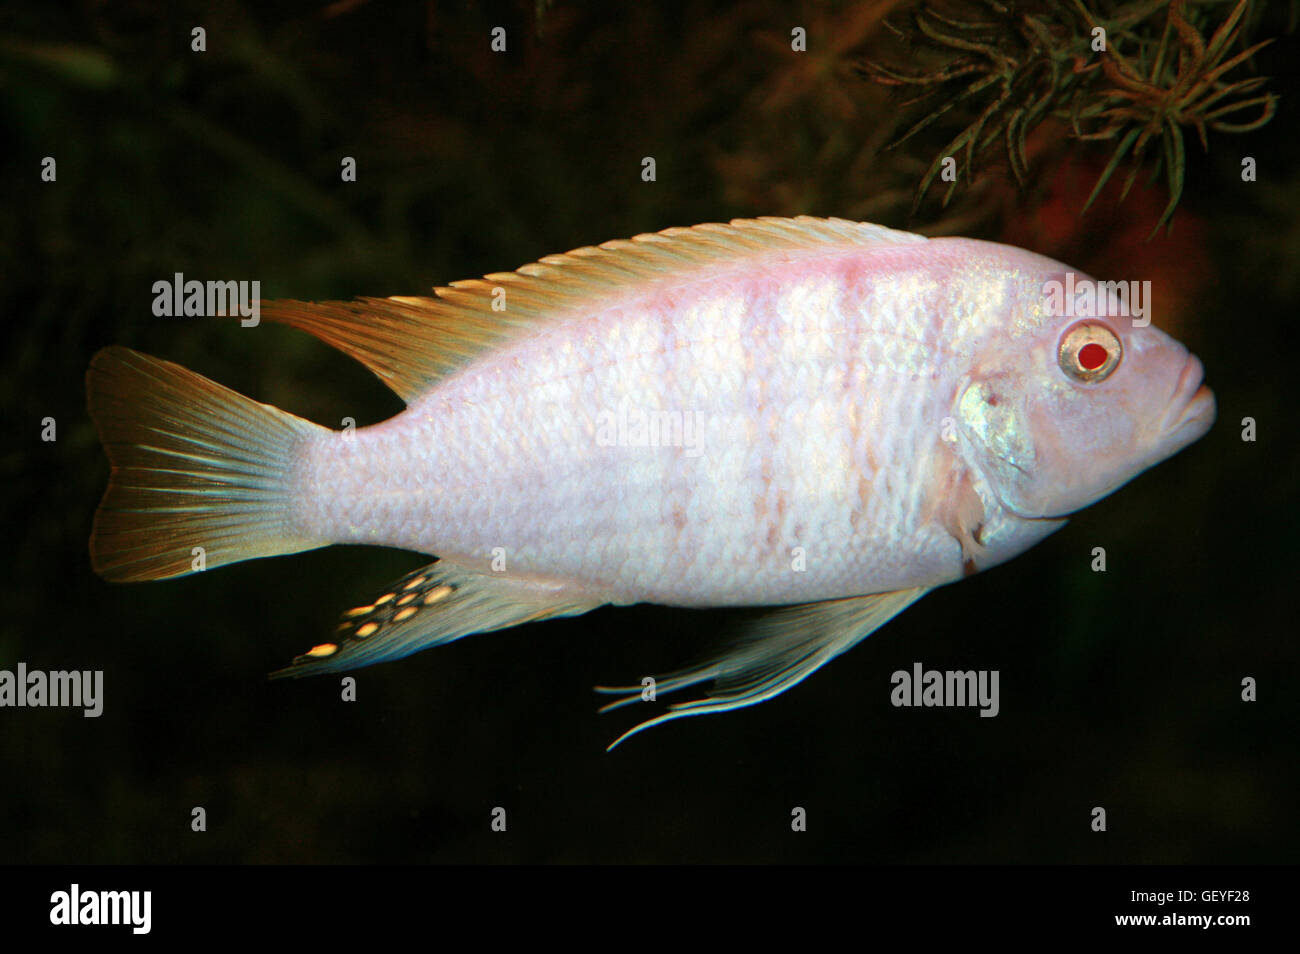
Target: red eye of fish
[(1089, 351), (1092, 356)]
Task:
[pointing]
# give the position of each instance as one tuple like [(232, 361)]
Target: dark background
[(1119, 689)]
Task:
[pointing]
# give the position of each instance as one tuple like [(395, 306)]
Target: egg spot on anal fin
[(437, 604), (436, 594)]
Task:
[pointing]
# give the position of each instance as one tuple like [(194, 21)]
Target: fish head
[(1067, 400)]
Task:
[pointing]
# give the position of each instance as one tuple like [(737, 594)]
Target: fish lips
[(1191, 412)]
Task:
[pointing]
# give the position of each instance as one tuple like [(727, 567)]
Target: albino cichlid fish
[(825, 417)]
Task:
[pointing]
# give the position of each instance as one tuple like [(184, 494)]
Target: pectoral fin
[(436, 604), (781, 649), (962, 515)]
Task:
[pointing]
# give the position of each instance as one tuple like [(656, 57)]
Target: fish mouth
[(1192, 408)]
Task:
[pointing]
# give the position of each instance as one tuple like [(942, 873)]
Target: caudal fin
[(194, 465)]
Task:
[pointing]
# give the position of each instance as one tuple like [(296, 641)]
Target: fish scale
[(872, 414)]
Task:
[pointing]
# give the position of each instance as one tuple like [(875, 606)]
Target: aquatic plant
[(1131, 73)]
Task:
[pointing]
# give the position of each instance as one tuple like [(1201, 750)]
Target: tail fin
[(194, 465)]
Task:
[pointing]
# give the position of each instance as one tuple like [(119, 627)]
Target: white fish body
[(774, 412)]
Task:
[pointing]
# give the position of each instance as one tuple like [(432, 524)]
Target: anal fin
[(779, 651), (436, 604)]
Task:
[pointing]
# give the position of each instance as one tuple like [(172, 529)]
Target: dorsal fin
[(411, 342)]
